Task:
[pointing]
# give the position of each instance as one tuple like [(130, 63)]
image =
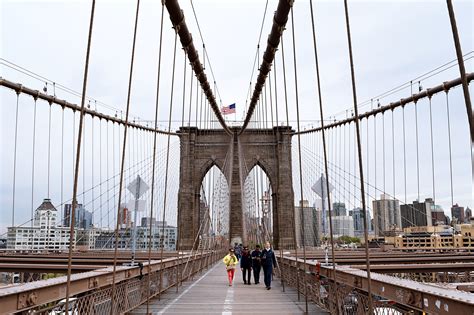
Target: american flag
[(225, 110)]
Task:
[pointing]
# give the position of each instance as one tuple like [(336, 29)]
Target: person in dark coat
[(256, 263), (268, 263), (246, 264), (238, 251)]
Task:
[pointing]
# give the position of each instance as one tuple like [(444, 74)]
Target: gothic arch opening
[(258, 206), (214, 207)]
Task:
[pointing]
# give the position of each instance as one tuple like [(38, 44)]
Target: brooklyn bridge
[(131, 207)]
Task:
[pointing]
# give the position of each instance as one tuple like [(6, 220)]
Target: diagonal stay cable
[(154, 157), (279, 21), (323, 133), (76, 166), (123, 157), (359, 152), (177, 19)]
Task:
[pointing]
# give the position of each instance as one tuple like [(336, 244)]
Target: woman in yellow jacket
[(230, 260)]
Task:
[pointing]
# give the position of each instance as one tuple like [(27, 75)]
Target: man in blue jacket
[(268, 263)]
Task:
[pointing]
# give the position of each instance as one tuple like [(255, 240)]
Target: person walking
[(256, 263), (246, 265), (237, 250), (268, 263), (230, 260)]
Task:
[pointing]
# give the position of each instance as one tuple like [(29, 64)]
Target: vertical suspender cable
[(153, 168), (368, 162), (375, 156), (432, 153), (190, 98), (462, 70), (200, 109), (383, 152), (184, 90), (393, 156), (33, 161), (266, 104), (92, 167), (284, 79), (100, 173), (14, 159), (49, 150), (361, 171), (107, 174), (449, 146), (112, 305), (404, 155), (417, 152), (197, 102), (62, 160), (114, 187), (271, 100), (300, 166), (78, 156), (276, 93), (83, 167)]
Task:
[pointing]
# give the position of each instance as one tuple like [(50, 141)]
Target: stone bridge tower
[(235, 155)]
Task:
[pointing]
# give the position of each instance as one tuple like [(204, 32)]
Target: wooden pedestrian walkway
[(211, 294)]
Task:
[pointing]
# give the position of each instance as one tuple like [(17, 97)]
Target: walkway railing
[(391, 295), (91, 291)]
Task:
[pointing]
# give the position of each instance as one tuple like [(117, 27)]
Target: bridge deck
[(211, 294)]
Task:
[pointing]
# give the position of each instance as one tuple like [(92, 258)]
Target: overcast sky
[(393, 43)]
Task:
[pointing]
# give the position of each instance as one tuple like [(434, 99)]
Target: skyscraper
[(458, 213), (83, 218), (339, 209), (309, 226), (343, 226), (387, 215), (357, 216), (125, 217), (467, 215), (417, 214), (437, 215)]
